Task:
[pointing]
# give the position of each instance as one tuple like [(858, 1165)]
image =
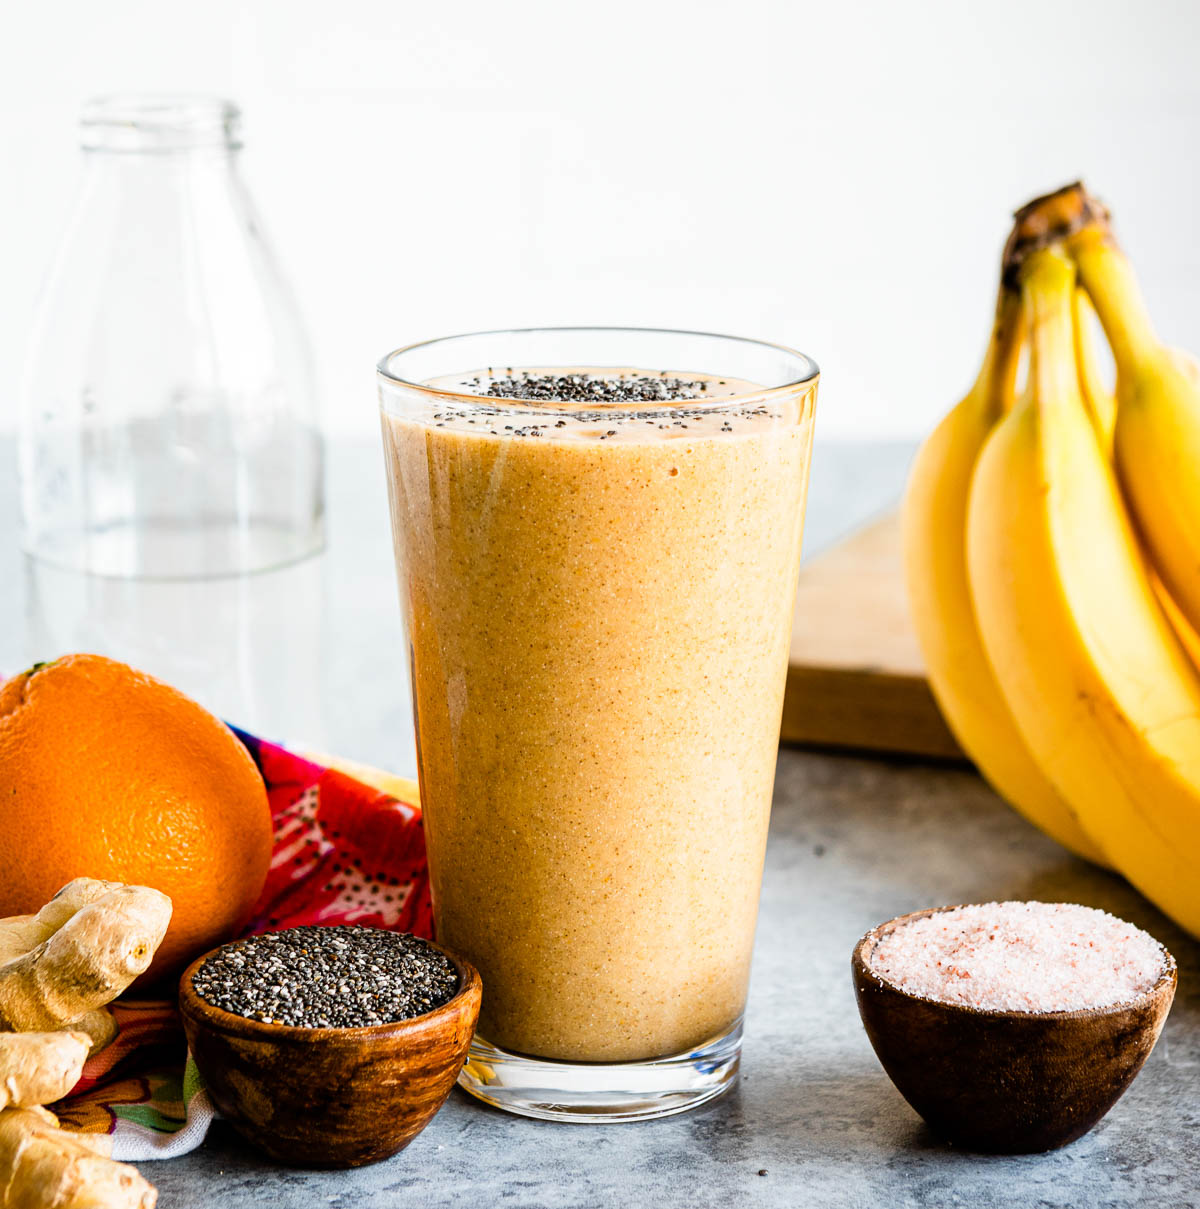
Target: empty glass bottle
[(169, 426)]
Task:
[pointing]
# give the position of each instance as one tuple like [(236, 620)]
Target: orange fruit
[(107, 772)]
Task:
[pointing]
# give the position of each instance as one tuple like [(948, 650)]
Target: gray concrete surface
[(814, 1121)]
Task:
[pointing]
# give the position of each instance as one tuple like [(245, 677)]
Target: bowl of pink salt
[(1012, 1027)]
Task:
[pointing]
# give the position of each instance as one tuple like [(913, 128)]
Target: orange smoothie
[(598, 596)]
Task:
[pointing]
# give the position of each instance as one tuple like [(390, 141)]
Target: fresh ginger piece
[(45, 1167), (99, 1026), (58, 967), (20, 933), (87, 960), (97, 1143), (39, 1068)]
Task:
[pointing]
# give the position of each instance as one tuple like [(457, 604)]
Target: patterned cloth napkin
[(349, 849)]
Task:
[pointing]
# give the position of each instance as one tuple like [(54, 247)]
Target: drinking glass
[(598, 600), (169, 421)]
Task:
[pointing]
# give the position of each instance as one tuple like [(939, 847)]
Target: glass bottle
[(169, 422)]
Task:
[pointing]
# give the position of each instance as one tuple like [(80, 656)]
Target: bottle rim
[(158, 122)]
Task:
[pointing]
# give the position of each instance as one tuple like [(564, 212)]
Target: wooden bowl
[(331, 1097), (1006, 1082)]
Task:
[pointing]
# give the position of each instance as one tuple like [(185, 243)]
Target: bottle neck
[(147, 127), (161, 195), (191, 163), (151, 188)]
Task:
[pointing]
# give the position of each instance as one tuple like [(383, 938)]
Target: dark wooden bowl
[(331, 1097), (1006, 1082)]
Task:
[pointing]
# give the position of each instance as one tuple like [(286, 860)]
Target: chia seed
[(590, 388), (610, 403), (342, 976)]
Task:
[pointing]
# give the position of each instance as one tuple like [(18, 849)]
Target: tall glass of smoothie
[(597, 538)]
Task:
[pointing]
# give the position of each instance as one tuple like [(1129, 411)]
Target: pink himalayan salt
[(1021, 957)]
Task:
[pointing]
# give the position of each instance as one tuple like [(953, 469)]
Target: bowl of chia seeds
[(329, 1046)]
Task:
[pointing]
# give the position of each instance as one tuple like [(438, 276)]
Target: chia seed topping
[(342, 976), (600, 405), (592, 388)]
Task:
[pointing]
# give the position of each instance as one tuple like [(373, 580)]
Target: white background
[(836, 176)]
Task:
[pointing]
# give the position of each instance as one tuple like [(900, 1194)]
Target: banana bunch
[(1052, 552)]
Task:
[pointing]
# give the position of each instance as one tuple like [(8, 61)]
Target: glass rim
[(158, 121), (811, 371)]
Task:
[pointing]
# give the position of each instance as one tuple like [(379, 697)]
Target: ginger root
[(85, 947), (39, 1068), (100, 1027), (58, 970), (20, 933), (45, 1167)]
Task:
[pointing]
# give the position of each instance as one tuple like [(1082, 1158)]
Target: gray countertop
[(314, 653)]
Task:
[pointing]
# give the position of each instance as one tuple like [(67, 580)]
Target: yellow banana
[(1100, 401), (1180, 624), (934, 536), (1101, 689), (1156, 444), (1102, 409)]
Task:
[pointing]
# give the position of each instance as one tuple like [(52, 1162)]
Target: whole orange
[(107, 772)]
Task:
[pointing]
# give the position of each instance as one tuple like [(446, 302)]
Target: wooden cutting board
[(855, 675)]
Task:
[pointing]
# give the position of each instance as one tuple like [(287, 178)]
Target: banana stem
[(1101, 404), (1047, 289), (997, 376), (1110, 282)]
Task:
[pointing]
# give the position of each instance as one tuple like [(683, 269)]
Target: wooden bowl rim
[(1167, 979), (210, 1016)]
